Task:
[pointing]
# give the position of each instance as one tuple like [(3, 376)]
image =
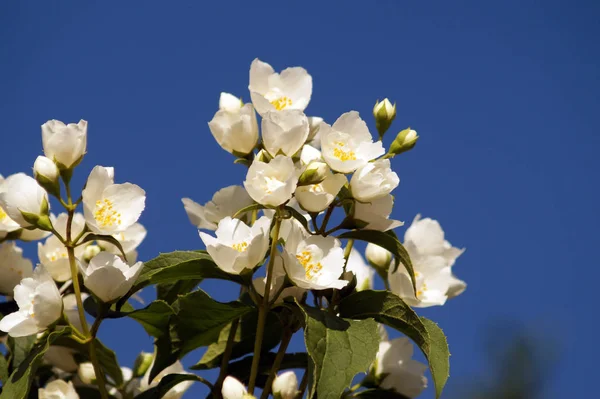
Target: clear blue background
[(505, 96)]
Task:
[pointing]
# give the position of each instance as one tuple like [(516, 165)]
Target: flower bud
[(285, 385), (263, 156), (46, 173), (405, 140), (142, 364), (25, 201), (90, 251), (378, 257), (384, 113), (86, 373), (64, 144), (58, 389), (314, 173)]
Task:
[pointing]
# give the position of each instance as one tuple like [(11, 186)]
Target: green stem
[(326, 218), (226, 356), (303, 385), (347, 252), (285, 341), (264, 308)]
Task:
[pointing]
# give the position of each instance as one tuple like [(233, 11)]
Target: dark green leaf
[(166, 384), (20, 348), (19, 383), (377, 393), (249, 208), (169, 292), (200, 319), (387, 241), (166, 355), (90, 393), (339, 349), (298, 216), (108, 361), (154, 318), (244, 340), (8, 307), (3, 369), (389, 309), (109, 239)]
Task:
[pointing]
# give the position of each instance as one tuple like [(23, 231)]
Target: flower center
[(240, 247), (311, 268), (105, 215), (272, 184), (3, 214), (342, 154), (281, 103), (422, 291), (57, 254)]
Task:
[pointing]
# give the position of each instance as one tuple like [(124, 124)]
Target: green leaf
[(154, 318), (243, 342), (339, 349), (19, 383), (108, 361), (199, 319), (389, 309), (166, 384), (20, 348), (378, 393), (249, 208), (387, 241), (169, 292), (3, 369), (106, 238)]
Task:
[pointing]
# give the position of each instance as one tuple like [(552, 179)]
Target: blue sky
[(503, 94)]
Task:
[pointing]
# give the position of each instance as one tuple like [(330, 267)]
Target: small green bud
[(46, 173), (142, 364), (263, 156), (405, 140), (315, 173), (384, 113)]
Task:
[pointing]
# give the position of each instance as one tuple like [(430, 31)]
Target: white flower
[(7, 225), (234, 389), (226, 202), (376, 214), (309, 154), (316, 262), (111, 208), (13, 267), (364, 274), (237, 246), (35, 234), (234, 126), (271, 183), (277, 281), (348, 144), (290, 227), (86, 373), (285, 385), (317, 197), (271, 91), (61, 357), (64, 144), (174, 393), (45, 167), (108, 277), (402, 374), (58, 389), (314, 135), (378, 256), (53, 254), (313, 173), (39, 302), (21, 193), (432, 258), (284, 131), (373, 180), (129, 239)]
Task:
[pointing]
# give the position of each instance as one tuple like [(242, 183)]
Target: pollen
[(311, 268), (281, 103), (241, 247), (344, 155), (105, 215), (3, 214), (58, 254)]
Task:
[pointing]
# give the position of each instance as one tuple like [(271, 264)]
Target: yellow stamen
[(342, 155), (281, 103), (105, 215), (3, 214), (311, 268), (241, 247)]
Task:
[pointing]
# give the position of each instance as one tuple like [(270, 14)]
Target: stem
[(226, 356), (347, 252), (285, 341), (326, 218), (100, 380), (303, 385), (77, 288), (264, 309)]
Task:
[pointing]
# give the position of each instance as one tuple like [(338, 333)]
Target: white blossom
[(376, 214), (129, 239), (13, 267), (277, 282), (234, 126), (271, 183), (226, 202), (399, 371), (285, 385), (315, 262), (58, 389), (378, 256), (363, 272), (7, 225), (309, 154), (45, 167), (234, 389), (237, 246), (111, 208), (317, 197), (64, 144), (271, 91), (108, 277), (284, 132), (373, 180), (53, 254), (174, 393), (21, 193), (40, 305), (314, 135), (348, 144)]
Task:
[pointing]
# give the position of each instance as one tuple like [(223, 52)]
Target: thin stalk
[(264, 308), (326, 218), (226, 356), (303, 385), (285, 341), (100, 380), (347, 252), (77, 289)]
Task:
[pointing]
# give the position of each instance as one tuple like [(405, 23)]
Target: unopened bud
[(285, 385), (263, 156), (46, 173), (314, 173), (378, 257), (86, 373), (90, 251), (142, 364), (405, 140), (384, 113)]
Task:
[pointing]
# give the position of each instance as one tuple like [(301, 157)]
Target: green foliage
[(20, 348), (389, 309), (241, 369), (339, 349), (3, 369)]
